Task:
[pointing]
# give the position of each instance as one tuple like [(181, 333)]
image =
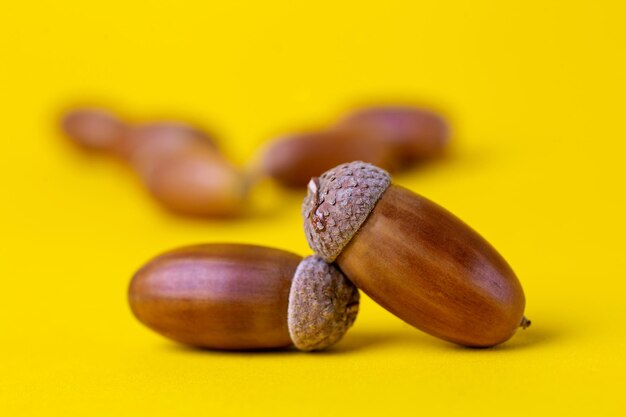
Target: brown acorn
[(392, 138), (195, 180), (292, 160), (93, 129), (416, 134), (152, 140), (179, 163), (235, 296), (412, 256)]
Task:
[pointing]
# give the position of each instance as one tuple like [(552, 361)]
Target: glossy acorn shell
[(412, 256), (220, 296), (427, 267), (294, 159)]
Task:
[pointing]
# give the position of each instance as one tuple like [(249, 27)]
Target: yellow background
[(535, 92)]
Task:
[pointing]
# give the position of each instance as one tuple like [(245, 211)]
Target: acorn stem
[(525, 323)]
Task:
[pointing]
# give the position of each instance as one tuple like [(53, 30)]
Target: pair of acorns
[(407, 253), (183, 168)]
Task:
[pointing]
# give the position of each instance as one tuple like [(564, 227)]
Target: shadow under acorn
[(359, 341)]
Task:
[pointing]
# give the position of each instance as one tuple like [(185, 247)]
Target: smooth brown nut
[(413, 257), (179, 164), (182, 168), (195, 180), (93, 129), (232, 296), (148, 141), (389, 137), (294, 159), (417, 134)]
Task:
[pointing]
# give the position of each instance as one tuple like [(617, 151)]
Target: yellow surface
[(535, 91)]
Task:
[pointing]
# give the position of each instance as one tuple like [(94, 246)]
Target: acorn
[(152, 140), (101, 130), (412, 256), (195, 180), (237, 297), (415, 134), (179, 164), (392, 137), (93, 129), (293, 159)]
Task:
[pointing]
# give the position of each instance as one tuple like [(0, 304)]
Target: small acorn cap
[(323, 305), (337, 204)]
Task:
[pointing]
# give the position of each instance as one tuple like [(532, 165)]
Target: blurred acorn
[(179, 163), (393, 138), (93, 129), (294, 159), (416, 133), (236, 296)]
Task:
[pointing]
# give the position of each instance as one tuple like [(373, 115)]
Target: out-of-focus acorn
[(412, 256), (179, 163), (392, 138), (417, 134), (160, 138), (93, 129), (195, 180), (294, 159), (235, 296)]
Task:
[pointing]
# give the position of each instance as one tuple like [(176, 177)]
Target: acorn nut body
[(235, 296), (93, 129), (415, 134), (391, 137), (292, 160), (413, 257), (179, 164), (195, 180)]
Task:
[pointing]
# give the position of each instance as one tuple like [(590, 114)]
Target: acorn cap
[(337, 204), (323, 305)]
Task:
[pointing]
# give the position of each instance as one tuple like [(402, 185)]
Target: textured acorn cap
[(323, 305), (337, 204)]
